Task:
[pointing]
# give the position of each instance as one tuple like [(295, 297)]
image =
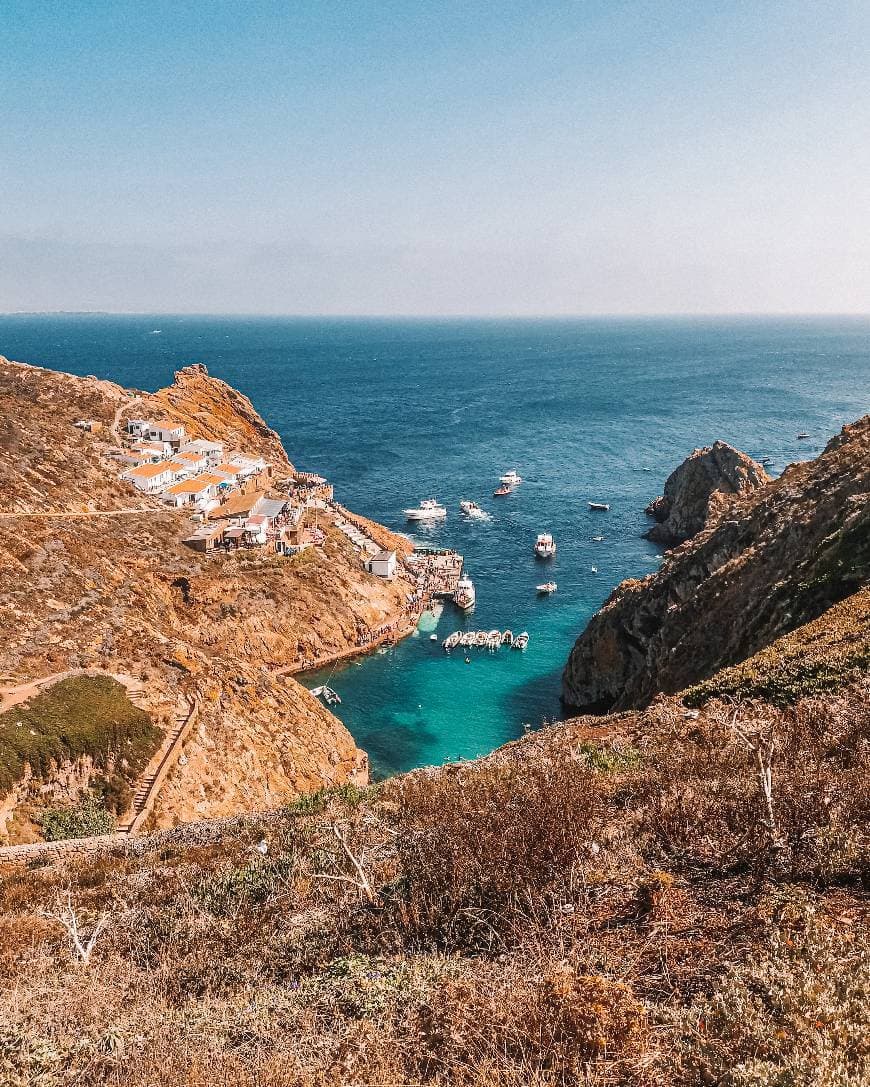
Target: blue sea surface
[(394, 411)]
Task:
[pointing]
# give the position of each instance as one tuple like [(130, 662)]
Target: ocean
[(394, 411)]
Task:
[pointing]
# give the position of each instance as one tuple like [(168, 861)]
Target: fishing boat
[(501, 491), (521, 640), (464, 595), (471, 509), (599, 506), (511, 478), (428, 510), (545, 546), (507, 638), (547, 588), (327, 694)]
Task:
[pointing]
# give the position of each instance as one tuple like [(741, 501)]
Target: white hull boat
[(547, 588), (464, 595), (511, 478), (471, 509), (605, 506), (521, 640), (327, 694), (545, 546), (428, 510)]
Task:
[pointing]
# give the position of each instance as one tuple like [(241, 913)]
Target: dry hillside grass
[(620, 910)]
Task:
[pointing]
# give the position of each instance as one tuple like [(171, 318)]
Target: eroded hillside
[(122, 593)]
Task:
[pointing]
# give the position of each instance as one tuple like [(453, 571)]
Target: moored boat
[(327, 694), (507, 638), (452, 640), (521, 640), (428, 510), (480, 639), (493, 639), (464, 595)]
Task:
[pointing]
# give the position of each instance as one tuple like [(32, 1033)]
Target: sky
[(435, 158)]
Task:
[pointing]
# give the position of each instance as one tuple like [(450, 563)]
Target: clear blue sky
[(571, 156)]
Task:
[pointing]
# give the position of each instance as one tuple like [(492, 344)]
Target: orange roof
[(166, 424), (147, 471), (174, 466), (188, 486), (189, 455), (212, 478), (232, 469)]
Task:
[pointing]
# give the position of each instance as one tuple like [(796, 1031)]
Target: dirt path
[(116, 422), (21, 692), (70, 515)]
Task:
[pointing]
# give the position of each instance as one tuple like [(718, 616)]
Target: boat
[(493, 639), (545, 546), (327, 694), (802, 435), (433, 637), (599, 506), (510, 479), (471, 509), (521, 640), (598, 539), (507, 638), (452, 640), (467, 638), (428, 510), (500, 492), (464, 594), (594, 569), (547, 588), (766, 460), (480, 639)]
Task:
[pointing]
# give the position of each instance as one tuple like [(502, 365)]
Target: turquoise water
[(396, 411)]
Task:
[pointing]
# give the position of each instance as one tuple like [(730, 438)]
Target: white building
[(383, 564), (166, 431), (138, 427), (150, 478), (212, 451), (200, 491)]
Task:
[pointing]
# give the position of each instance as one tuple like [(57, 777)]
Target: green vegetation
[(84, 716), (79, 821), (610, 760), (816, 659), (347, 794)]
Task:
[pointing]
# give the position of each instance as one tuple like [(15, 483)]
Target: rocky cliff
[(779, 557), (120, 591), (700, 489)]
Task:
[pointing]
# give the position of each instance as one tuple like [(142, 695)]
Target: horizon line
[(634, 315)]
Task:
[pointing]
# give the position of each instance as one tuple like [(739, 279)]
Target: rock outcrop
[(778, 558), (699, 490)]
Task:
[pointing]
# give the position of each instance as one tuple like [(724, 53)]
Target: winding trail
[(21, 692), (116, 421)]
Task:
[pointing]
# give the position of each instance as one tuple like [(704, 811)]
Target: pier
[(437, 570)]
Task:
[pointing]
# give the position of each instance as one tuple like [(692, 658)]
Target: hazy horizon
[(398, 159)]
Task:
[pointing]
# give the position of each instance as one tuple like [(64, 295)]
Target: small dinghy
[(521, 640), (480, 639), (547, 588), (500, 492), (507, 638), (598, 539)]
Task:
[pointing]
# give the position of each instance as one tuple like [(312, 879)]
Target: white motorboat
[(428, 510), (545, 546), (480, 639), (471, 509), (493, 640), (598, 539), (547, 588), (511, 478), (521, 640), (599, 506), (507, 638), (464, 595), (452, 639), (594, 569), (467, 639)]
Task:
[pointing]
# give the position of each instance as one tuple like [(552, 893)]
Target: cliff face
[(122, 593), (778, 558), (699, 490)]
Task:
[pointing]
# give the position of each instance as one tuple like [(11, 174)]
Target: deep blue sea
[(394, 411)]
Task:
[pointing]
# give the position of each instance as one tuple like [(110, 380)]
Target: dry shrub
[(492, 846)]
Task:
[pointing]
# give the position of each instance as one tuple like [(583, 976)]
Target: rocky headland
[(775, 556)]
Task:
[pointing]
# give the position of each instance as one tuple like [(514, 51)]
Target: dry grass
[(560, 913)]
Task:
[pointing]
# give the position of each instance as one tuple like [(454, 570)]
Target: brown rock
[(699, 489), (778, 557)]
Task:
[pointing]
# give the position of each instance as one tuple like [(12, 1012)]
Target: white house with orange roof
[(212, 451), (150, 478), (200, 491), (194, 461), (164, 430), (157, 450), (138, 428)]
